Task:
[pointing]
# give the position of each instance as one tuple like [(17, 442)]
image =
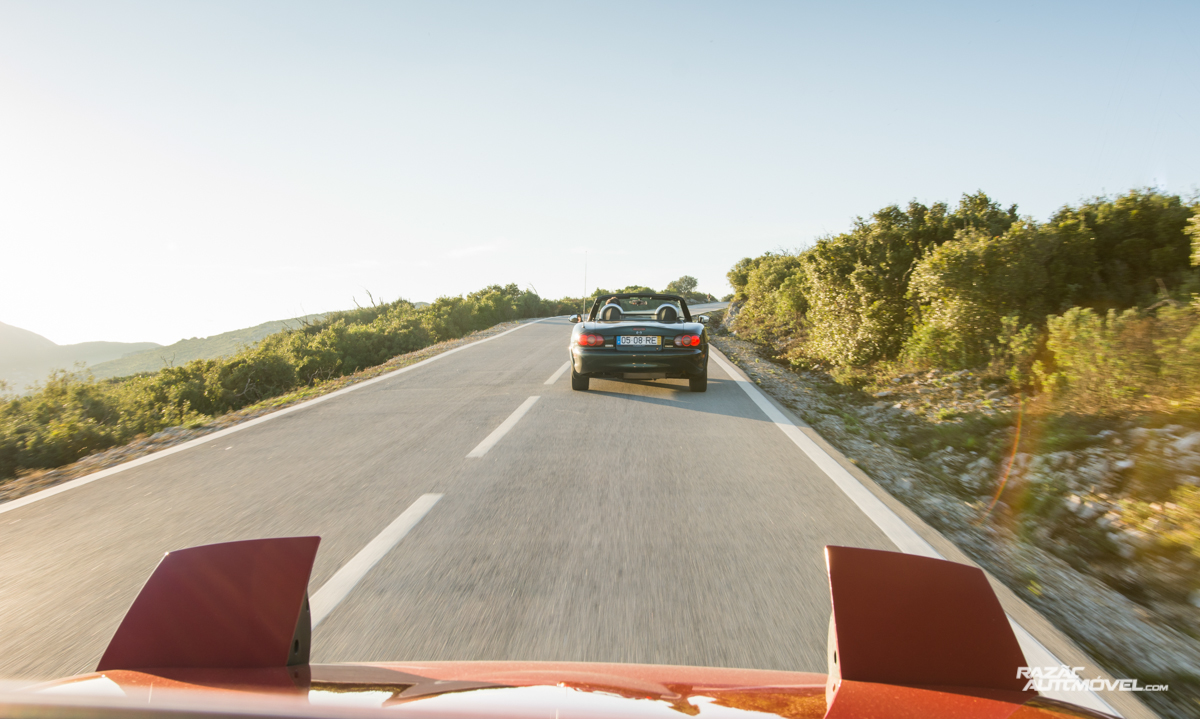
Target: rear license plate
[(627, 340)]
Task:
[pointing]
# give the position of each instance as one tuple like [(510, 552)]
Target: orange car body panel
[(218, 630), (514, 689)]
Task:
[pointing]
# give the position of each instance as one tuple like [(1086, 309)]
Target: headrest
[(610, 313), (666, 313)]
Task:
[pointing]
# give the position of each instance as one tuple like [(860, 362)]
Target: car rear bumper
[(611, 362)]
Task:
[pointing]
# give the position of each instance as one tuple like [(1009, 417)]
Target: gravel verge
[(1123, 637)]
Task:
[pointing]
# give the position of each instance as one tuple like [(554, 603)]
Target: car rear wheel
[(578, 381), (699, 384)]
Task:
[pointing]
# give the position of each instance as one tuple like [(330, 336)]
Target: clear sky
[(179, 169)]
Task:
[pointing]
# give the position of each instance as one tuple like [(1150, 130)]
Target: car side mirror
[(702, 319), (575, 318)]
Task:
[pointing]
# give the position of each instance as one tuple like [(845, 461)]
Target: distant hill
[(27, 357), (20, 347), (184, 351)]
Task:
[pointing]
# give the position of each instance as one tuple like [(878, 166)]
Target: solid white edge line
[(339, 586), (903, 536), (559, 372), (89, 478), (498, 433)]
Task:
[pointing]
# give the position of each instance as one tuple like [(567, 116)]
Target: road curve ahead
[(636, 522)]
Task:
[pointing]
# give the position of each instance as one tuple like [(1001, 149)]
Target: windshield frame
[(603, 300)]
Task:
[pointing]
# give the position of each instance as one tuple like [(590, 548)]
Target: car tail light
[(687, 341), (586, 340)]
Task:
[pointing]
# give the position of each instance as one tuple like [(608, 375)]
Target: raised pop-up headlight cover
[(230, 605), (905, 619)]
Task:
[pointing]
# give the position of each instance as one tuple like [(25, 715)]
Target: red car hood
[(909, 637)]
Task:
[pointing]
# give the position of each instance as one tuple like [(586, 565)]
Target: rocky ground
[(31, 482), (931, 439)]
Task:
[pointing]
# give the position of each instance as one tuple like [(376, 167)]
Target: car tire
[(699, 384), (579, 382)]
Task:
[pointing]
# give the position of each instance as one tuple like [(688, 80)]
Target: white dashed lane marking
[(559, 373), (498, 434), (339, 585)]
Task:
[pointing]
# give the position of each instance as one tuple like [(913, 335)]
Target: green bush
[(67, 419), (739, 277), (1124, 248), (1107, 363), (973, 286), (848, 296), (1100, 359), (683, 286), (964, 289), (776, 300), (1177, 348), (1016, 349)]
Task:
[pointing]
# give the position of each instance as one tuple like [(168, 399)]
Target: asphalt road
[(636, 522)]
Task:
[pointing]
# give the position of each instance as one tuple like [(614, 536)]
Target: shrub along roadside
[(1045, 374), (1092, 317), (934, 287), (71, 416), (1098, 307)]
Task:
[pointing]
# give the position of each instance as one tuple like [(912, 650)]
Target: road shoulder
[(1063, 647)]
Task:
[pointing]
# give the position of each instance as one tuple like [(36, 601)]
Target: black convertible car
[(640, 336)]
